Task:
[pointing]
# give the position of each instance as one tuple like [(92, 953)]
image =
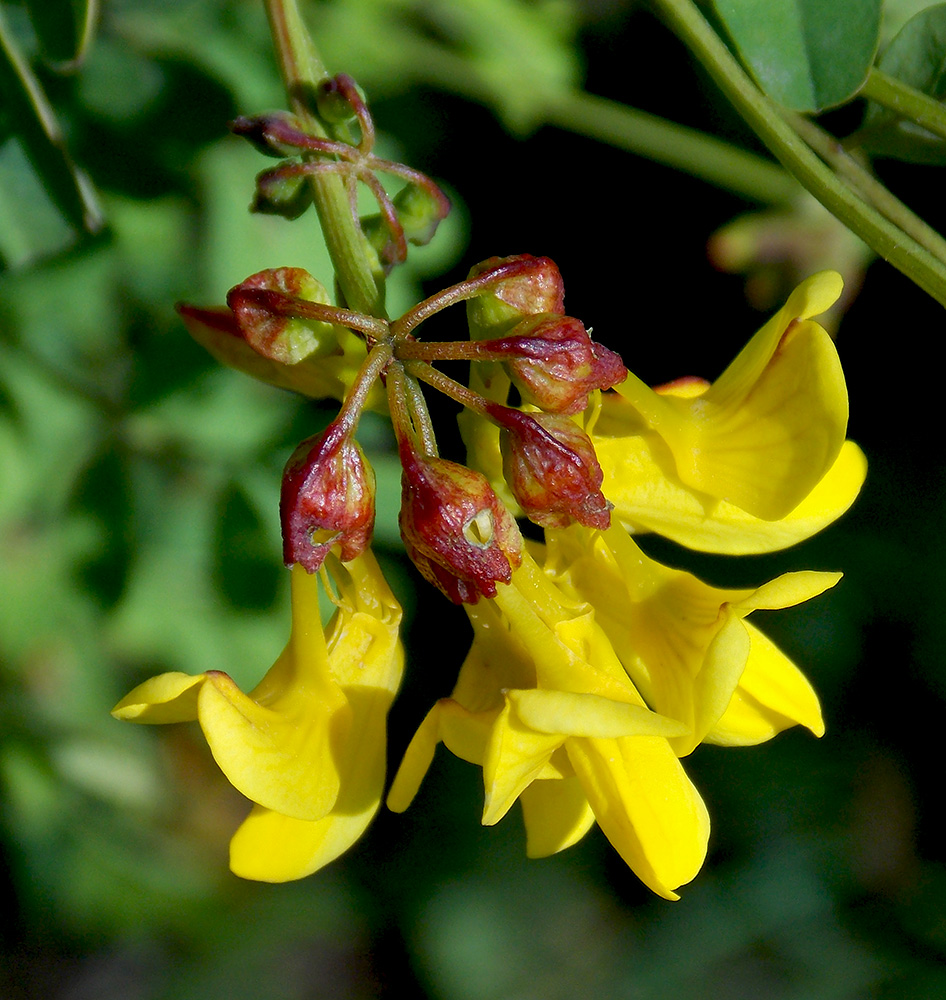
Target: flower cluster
[(593, 669)]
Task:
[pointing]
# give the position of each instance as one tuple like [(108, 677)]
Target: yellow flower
[(686, 645), (545, 707), (307, 744), (754, 462)]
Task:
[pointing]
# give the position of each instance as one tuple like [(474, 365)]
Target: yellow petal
[(464, 733), (283, 759), (768, 430), (713, 685), (416, 761), (650, 497), (788, 590), (270, 847), (765, 433), (566, 646), (646, 806), (589, 715), (498, 659), (515, 756), (170, 697), (556, 815), (773, 694), (279, 744), (681, 641)]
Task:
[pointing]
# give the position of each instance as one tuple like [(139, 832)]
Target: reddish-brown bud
[(550, 465), (555, 364), (276, 133), (327, 499), (457, 531), (535, 286), (270, 332)]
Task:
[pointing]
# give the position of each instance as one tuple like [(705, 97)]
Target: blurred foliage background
[(138, 533)]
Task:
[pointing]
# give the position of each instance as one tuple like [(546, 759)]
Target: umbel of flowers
[(593, 668)]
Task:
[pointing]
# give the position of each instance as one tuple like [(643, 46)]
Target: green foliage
[(917, 57), (138, 491), (515, 55), (805, 54), (64, 29), (41, 181)]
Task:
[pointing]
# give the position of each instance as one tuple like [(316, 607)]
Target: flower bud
[(537, 287), (276, 133), (420, 209), (333, 99), (283, 338), (282, 192), (327, 499), (555, 364), (550, 465), (457, 531)]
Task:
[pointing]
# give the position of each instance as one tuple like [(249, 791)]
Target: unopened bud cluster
[(461, 536)]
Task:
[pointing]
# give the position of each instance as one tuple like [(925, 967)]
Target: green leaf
[(805, 54), (917, 57), (64, 29), (31, 225), (32, 120)]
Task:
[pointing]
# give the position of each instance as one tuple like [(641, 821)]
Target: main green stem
[(887, 239), (303, 72)]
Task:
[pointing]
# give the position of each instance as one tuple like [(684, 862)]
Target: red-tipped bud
[(550, 465), (277, 133), (286, 339), (534, 286), (457, 531), (555, 364), (327, 499)]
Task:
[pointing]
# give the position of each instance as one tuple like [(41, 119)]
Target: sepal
[(327, 499), (457, 531)]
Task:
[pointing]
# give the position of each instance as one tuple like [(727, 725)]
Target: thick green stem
[(302, 73), (832, 151), (888, 240)]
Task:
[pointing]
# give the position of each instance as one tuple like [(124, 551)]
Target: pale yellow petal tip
[(170, 697), (815, 295)]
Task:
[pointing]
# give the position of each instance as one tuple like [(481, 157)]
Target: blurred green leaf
[(64, 29), (31, 224), (917, 57), (511, 54), (805, 54), (30, 116)]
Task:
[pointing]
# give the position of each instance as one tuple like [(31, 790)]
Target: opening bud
[(458, 533), (268, 329), (550, 465), (555, 364), (534, 286), (327, 499)]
